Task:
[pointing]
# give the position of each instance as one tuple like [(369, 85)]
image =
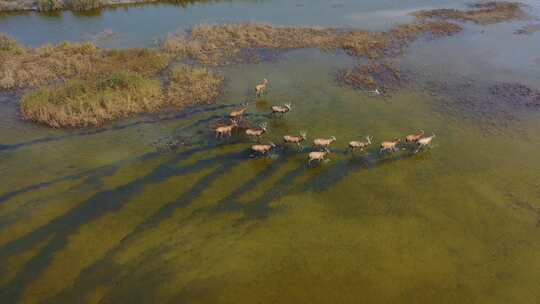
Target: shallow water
[(99, 215)]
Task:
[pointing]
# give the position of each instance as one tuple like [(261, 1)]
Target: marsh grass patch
[(190, 85), (29, 68), (91, 102), (480, 13), (225, 44)]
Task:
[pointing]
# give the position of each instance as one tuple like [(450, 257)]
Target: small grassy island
[(80, 85)]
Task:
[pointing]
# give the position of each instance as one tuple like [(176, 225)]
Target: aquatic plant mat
[(372, 76)]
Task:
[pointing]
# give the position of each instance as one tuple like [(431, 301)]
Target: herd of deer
[(321, 145)]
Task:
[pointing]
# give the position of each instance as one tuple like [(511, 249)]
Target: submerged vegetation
[(371, 76), (481, 13)]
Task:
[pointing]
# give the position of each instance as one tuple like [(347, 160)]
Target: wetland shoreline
[(81, 85)]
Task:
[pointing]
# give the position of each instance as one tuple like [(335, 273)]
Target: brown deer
[(281, 109), (295, 139), (353, 145), (262, 149), (424, 142), (261, 87), (389, 146), (323, 142), (257, 132), (226, 130), (317, 156), (414, 137), (238, 113)]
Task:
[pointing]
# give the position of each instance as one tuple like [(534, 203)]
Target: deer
[(238, 113), (424, 142), (295, 139), (323, 142), (414, 137), (261, 87), (353, 145), (281, 109), (389, 146), (226, 130), (257, 132), (317, 156), (262, 149)]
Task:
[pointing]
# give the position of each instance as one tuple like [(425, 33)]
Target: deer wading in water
[(353, 145), (226, 130), (257, 132), (414, 137), (323, 143), (262, 149), (389, 146), (261, 87), (295, 139), (424, 142), (281, 109), (317, 156)]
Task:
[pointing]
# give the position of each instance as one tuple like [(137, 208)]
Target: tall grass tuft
[(48, 5), (84, 5), (91, 102), (9, 46), (189, 86)]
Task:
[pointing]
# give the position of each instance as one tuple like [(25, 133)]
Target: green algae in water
[(104, 217)]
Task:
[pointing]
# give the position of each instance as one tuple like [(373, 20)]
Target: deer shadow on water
[(57, 231)]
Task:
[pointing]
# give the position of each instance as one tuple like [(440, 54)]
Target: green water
[(101, 216)]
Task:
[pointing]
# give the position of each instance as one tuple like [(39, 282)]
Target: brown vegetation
[(81, 85), (48, 5), (516, 94), (371, 76), (9, 47), (76, 5), (83, 5), (81, 103), (482, 13), (49, 64), (223, 44), (190, 86), (528, 29)]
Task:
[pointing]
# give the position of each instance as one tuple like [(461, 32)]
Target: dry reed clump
[(48, 5), (81, 103), (49, 64), (408, 32), (371, 76), (222, 44), (83, 5), (219, 44), (482, 13), (9, 47), (189, 86)]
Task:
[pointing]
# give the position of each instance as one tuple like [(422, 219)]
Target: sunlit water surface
[(102, 216)]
